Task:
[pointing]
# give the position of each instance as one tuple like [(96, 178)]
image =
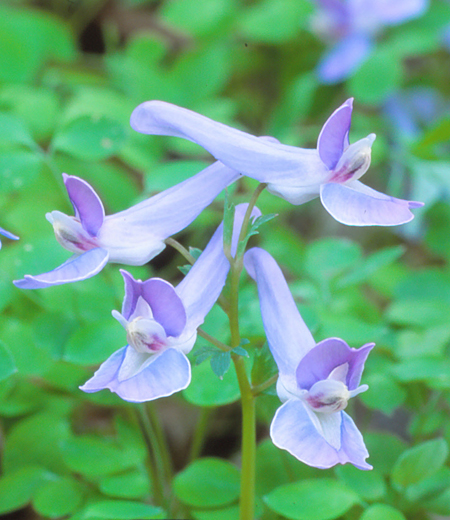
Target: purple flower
[(315, 381), (295, 174), (7, 234), (161, 324), (131, 237), (351, 26)]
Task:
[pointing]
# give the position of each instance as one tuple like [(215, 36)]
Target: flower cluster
[(161, 321)]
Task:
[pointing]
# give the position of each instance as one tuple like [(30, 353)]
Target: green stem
[(162, 441), (213, 340), (247, 499), (200, 433), (153, 467), (258, 389), (181, 249), (259, 189)]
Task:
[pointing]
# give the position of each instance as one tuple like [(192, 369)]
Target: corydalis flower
[(161, 324), (296, 174), (7, 234), (315, 381), (131, 237), (352, 25)]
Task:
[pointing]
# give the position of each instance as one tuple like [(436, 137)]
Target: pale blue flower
[(161, 323), (131, 237), (332, 171), (7, 234), (315, 381)]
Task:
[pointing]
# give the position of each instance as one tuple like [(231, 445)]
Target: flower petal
[(205, 280), (7, 234), (328, 354), (136, 235), (259, 158), (333, 137), (389, 12), (288, 337), (293, 430), (166, 306), (86, 203), (355, 204), (77, 268), (344, 58), (170, 372)]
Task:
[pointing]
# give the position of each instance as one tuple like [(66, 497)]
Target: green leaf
[(122, 510), (320, 499), (13, 131), (264, 365), (7, 366), (18, 487), (132, 484), (92, 456), (377, 77), (384, 449), (438, 134), (206, 390), (430, 342), (220, 363), (370, 265), (239, 351), (17, 168), (419, 462), (39, 448), (274, 22), (384, 393), (329, 257), (207, 483), (93, 343), (419, 312), (203, 353), (435, 372), (369, 485), (90, 138), (58, 498), (382, 512)]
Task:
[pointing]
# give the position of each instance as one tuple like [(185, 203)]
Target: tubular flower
[(315, 381), (131, 237), (7, 234), (351, 27), (161, 324), (295, 174)]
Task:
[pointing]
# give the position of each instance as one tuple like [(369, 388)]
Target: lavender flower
[(316, 380), (295, 174), (131, 237), (351, 26), (7, 234), (161, 324)]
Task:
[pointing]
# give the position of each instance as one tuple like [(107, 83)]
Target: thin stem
[(259, 189), (247, 498), (213, 340), (258, 389), (162, 441), (181, 249), (153, 468), (200, 433)]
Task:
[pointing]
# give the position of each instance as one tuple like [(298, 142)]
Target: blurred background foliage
[(71, 72)]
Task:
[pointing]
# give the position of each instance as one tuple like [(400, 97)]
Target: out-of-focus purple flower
[(131, 237), (351, 27), (295, 174), (7, 234), (161, 324), (315, 380)]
